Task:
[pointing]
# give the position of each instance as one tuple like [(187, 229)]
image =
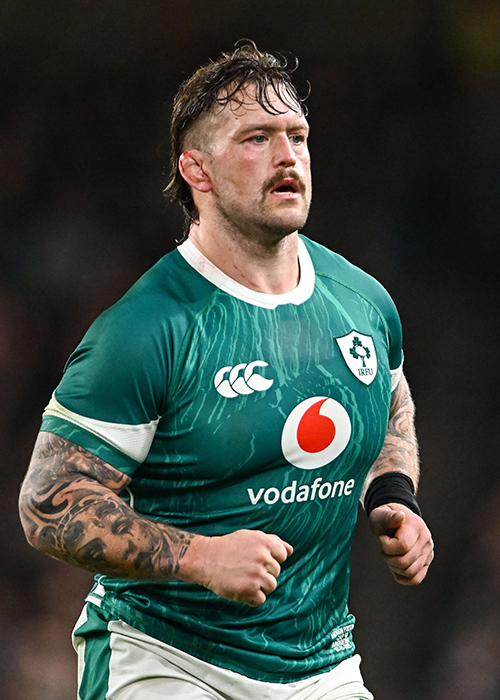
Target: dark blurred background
[(405, 117)]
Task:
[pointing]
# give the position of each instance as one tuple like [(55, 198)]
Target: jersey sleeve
[(113, 389), (387, 309)]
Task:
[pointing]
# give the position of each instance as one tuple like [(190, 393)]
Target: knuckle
[(269, 585)]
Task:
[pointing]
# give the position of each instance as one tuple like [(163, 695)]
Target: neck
[(269, 267)]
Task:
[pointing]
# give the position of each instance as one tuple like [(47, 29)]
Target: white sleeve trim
[(133, 440), (396, 375)]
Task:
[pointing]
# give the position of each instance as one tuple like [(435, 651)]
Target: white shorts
[(126, 664)]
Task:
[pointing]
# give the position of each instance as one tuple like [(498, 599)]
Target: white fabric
[(213, 274), (95, 596), (396, 375), (79, 646), (143, 668), (133, 440)]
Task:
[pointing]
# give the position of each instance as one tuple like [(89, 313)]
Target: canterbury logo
[(241, 379)]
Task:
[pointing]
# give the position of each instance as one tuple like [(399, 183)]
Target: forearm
[(394, 514), (69, 514), (400, 449)]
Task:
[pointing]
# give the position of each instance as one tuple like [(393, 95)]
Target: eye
[(298, 139), (258, 138)]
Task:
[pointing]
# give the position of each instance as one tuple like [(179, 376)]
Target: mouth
[(286, 188)]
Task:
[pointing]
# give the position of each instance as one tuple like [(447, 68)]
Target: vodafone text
[(290, 494)]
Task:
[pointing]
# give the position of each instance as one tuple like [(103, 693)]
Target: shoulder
[(169, 293), (347, 283), (141, 333), (330, 266), (131, 349)]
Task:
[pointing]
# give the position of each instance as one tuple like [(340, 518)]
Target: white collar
[(213, 274)]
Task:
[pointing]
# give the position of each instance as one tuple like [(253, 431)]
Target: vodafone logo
[(241, 379), (317, 431)]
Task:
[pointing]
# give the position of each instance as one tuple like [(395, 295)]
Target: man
[(212, 435)]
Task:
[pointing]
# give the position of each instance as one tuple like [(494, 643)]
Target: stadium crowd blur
[(405, 116)]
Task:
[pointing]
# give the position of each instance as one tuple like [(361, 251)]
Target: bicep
[(402, 407), (400, 449), (61, 477), (55, 458)]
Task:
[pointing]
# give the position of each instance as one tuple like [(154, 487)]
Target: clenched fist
[(242, 566), (407, 545)]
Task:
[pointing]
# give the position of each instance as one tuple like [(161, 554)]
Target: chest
[(296, 387)]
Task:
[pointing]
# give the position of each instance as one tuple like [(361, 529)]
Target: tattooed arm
[(70, 508), (399, 452), (406, 542)]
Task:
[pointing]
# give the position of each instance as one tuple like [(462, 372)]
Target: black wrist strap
[(391, 487)]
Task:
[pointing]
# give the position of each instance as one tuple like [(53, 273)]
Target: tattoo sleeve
[(70, 508), (399, 452)]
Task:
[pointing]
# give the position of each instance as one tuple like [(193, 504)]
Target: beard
[(265, 221)]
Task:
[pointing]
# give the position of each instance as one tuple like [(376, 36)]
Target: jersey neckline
[(213, 274)]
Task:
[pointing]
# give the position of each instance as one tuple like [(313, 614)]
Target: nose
[(284, 155)]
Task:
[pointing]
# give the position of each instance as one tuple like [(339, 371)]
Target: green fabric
[(95, 679), (217, 463)]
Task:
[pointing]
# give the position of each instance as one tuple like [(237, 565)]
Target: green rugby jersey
[(234, 409)]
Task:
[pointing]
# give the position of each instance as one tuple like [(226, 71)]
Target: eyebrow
[(269, 128)]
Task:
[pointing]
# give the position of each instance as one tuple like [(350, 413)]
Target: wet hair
[(217, 84)]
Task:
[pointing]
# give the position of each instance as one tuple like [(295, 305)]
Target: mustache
[(283, 175)]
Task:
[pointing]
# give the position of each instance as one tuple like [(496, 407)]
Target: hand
[(242, 566), (407, 545)]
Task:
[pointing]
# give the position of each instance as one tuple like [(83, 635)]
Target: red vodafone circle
[(316, 432)]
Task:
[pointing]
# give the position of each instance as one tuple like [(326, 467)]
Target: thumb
[(384, 520)]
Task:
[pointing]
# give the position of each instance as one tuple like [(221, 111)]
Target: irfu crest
[(358, 351)]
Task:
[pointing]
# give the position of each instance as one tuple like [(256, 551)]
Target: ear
[(191, 167)]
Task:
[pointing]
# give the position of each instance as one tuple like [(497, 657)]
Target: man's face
[(260, 168)]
